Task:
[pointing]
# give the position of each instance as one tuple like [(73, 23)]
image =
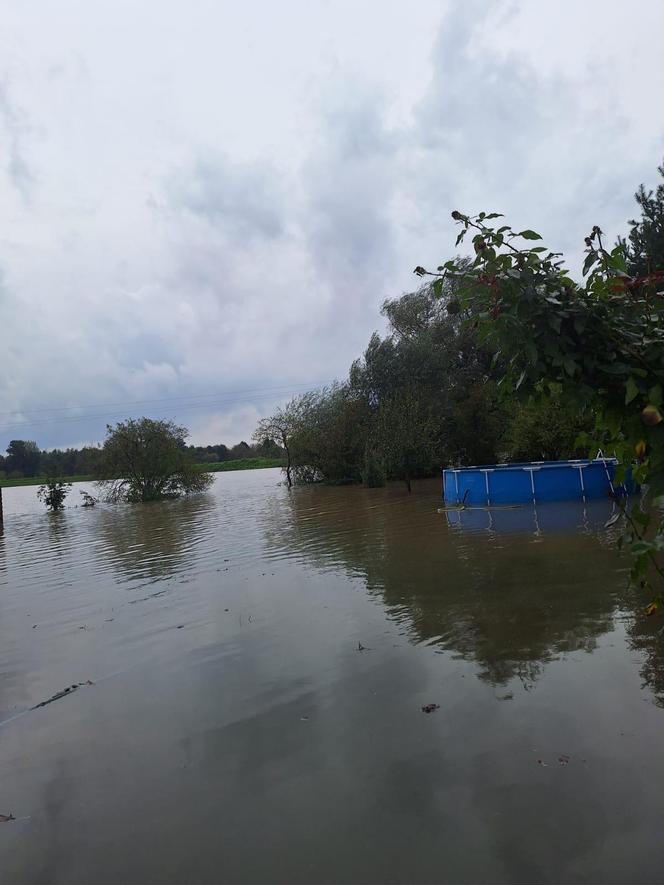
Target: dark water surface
[(260, 659)]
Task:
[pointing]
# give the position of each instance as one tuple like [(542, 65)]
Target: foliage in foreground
[(152, 461)]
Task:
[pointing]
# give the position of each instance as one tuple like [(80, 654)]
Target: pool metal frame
[(530, 482)]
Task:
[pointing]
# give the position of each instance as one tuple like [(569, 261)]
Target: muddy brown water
[(260, 661)]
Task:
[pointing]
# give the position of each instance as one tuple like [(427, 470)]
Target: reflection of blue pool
[(561, 516), (533, 482)]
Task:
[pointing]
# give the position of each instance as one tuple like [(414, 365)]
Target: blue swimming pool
[(532, 482)]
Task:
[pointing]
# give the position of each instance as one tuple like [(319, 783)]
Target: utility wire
[(159, 399), (268, 393)]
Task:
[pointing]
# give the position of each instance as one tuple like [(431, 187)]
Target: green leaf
[(570, 365), (591, 258), (655, 395), (631, 390), (640, 517), (529, 235)]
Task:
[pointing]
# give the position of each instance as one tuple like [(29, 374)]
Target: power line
[(267, 393), (139, 402)]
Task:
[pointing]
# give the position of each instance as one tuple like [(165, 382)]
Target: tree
[(330, 437), (147, 460), (405, 435), (545, 430), (22, 457), (436, 354), (240, 451), (281, 426), (268, 448), (644, 248), (53, 494)]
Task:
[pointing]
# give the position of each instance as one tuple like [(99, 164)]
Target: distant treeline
[(24, 458)]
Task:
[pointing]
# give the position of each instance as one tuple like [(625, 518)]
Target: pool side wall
[(527, 483)]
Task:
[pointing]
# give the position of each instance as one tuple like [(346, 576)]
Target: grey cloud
[(16, 132), (244, 200), (346, 218), (493, 132)]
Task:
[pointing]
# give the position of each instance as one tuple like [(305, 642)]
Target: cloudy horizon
[(206, 204)]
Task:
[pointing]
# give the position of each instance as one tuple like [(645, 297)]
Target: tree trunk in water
[(288, 476)]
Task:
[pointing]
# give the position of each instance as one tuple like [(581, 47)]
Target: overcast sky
[(204, 203)]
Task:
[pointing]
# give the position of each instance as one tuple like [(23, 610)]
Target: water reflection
[(510, 603), (155, 541), (568, 516)]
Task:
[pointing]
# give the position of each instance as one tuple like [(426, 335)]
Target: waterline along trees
[(147, 460), (279, 429)]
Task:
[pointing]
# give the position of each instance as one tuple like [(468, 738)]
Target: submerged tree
[(406, 436), (279, 428), (147, 460), (53, 494)]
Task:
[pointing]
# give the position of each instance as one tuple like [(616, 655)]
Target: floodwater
[(260, 659)]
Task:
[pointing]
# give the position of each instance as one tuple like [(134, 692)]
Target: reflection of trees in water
[(58, 532), (510, 603), (646, 636), (155, 540)]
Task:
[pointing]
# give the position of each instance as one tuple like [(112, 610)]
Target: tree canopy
[(644, 247), (147, 460), (422, 395)]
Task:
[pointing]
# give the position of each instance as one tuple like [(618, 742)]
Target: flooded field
[(247, 672)]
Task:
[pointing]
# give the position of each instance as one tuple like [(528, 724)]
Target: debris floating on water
[(429, 708), (5, 818), (62, 694)]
